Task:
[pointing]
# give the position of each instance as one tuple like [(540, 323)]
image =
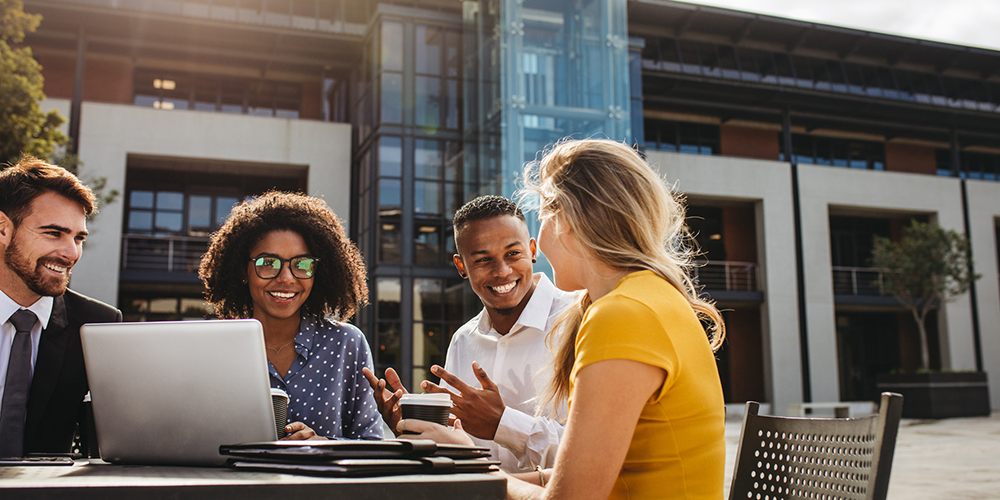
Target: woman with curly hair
[(284, 260)]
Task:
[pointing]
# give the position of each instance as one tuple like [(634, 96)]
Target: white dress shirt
[(42, 309), (514, 362)]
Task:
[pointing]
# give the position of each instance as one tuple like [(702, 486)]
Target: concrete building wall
[(768, 185), (874, 192), (110, 132), (984, 211)]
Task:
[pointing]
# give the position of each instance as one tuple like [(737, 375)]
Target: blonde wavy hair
[(622, 212)]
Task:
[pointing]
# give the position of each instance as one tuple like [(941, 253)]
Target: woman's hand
[(298, 431), (435, 432)]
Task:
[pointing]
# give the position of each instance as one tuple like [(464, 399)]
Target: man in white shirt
[(503, 347)]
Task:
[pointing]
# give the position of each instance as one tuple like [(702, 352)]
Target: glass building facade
[(449, 108)]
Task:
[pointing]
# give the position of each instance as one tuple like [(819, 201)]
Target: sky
[(965, 22)]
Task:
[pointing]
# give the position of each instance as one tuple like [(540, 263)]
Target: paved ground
[(947, 459)]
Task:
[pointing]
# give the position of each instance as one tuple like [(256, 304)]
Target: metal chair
[(783, 458)]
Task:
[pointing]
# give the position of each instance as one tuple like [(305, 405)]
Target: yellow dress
[(678, 449)]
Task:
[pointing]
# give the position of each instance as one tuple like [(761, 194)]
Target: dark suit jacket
[(60, 379)]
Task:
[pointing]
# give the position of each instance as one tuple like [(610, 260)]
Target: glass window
[(390, 156), (427, 108), (428, 159), (390, 237), (427, 198), (141, 199), (199, 211), (223, 206), (388, 341), (166, 200), (388, 293), (392, 98), (428, 50), (169, 221), (140, 220), (392, 46), (427, 245)]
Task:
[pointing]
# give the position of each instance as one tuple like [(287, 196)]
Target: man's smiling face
[(43, 248), (496, 255)]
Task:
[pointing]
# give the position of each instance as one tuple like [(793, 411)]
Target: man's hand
[(478, 409), (438, 433), (386, 400), (298, 431)]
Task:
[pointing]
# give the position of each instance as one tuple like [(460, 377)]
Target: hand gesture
[(386, 400), (478, 409)]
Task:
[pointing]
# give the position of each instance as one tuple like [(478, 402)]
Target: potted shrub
[(927, 268)]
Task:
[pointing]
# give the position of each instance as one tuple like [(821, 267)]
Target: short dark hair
[(339, 285), (485, 207), (30, 178)]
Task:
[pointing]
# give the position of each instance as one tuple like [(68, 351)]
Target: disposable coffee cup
[(279, 400), (430, 407), (90, 448)]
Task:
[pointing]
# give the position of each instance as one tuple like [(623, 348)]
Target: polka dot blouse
[(325, 386)]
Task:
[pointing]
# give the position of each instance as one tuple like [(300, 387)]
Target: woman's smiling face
[(281, 297)]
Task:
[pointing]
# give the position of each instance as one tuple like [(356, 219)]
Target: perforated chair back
[(783, 458)]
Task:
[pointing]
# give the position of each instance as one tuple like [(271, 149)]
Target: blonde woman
[(634, 357)]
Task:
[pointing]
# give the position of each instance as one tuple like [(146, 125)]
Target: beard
[(33, 277)]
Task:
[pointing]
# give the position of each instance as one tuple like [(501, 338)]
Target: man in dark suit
[(43, 223)]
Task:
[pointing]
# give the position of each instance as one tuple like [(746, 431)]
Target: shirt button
[(503, 343)]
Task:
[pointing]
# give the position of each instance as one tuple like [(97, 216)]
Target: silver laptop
[(173, 392)]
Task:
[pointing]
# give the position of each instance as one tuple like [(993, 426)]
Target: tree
[(24, 128), (927, 268)]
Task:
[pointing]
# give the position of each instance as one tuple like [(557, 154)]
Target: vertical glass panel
[(387, 342), (427, 245), (392, 46), (390, 236), (140, 220), (389, 194), (141, 199), (427, 351), (453, 54), (168, 200), (169, 221), (390, 156), (223, 206), (428, 50), (428, 159), (427, 108), (392, 98), (388, 295), (451, 104), (454, 300), (199, 211), (427, 198), (427, 305)]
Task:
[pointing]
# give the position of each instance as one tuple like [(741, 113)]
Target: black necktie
[(15, 393)]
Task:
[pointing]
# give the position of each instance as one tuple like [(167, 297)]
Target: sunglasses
[(267, 268)]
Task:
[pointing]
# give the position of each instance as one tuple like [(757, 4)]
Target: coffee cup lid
[(278, 392), (433, 399)]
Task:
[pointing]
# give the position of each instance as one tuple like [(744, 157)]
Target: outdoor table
[(85, 480)]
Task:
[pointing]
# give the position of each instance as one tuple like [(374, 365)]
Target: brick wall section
[(738, 236), (108, 81), (58, 72), (312, 101), (910, 158), (747, 142), (746, 362)]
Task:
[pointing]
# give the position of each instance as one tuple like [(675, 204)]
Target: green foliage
[(24, 128), (927, 268)]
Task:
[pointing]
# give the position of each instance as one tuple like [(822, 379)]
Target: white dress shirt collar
[(42, 309), (535, 313)]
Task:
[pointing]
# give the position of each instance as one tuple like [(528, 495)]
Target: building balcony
[(861, 286), (171, 259), (726, 281)]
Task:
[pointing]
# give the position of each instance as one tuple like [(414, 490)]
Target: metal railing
[(865, 281), (729, 276), (175, 254)]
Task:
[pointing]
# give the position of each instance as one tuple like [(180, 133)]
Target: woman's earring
[(534, 260)]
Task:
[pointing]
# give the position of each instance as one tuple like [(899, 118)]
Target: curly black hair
[(339, 288), (485, 207)]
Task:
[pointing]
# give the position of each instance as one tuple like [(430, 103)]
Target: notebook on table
[(172, 392)]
